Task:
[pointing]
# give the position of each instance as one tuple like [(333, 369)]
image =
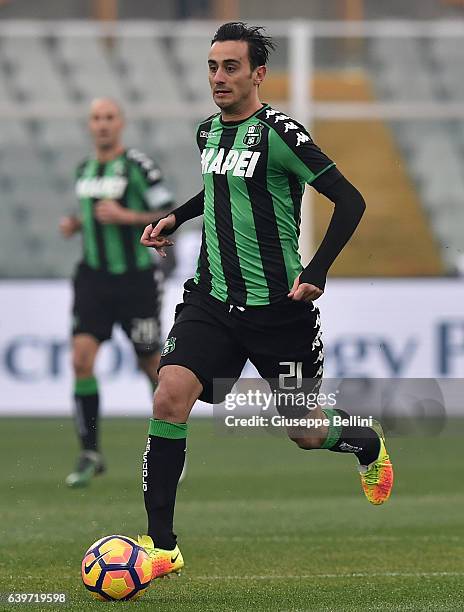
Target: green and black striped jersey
[(254, 173), (134, 181)]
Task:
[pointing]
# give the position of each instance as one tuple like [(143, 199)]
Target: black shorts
[(214, 341), (131, 299)]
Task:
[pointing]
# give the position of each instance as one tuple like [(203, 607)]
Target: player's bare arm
[(70, 225), (111, 211)]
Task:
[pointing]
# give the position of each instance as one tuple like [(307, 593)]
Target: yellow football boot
[(165, 562), (377, 478)]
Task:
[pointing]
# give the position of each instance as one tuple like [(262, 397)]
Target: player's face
[(105, 124), (231, 79)]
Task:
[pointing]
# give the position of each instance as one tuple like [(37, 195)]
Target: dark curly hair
[(259, 45)]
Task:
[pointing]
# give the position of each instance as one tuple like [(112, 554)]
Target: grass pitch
[(262, 525)]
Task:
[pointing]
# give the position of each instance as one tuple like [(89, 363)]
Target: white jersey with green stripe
[(135, 182), (254, 173)]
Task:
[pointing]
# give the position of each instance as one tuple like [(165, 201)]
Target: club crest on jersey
[(253, 135), (118, 167), (169, 346)]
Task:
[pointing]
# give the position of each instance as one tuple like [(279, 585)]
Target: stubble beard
[(104, 147)]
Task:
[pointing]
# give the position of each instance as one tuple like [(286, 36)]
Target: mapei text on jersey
[(241, 163)]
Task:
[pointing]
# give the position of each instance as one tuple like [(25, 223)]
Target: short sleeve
[(154, 191)]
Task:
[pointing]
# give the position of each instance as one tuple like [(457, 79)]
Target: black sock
[(360, 441), (163, 461), (86, 412)]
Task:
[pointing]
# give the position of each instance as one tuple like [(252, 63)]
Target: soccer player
[(250, 297), (119, 190)]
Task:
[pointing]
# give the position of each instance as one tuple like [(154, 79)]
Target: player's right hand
[(304, 292), (153, 236), (69, 226)]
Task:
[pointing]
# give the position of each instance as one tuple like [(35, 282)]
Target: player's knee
[(82, 364), (169, 403), (307, 442), (149, 365)]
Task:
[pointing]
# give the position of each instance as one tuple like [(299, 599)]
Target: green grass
[(262, 525)]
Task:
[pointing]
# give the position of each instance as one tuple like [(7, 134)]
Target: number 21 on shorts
[(293, 379)]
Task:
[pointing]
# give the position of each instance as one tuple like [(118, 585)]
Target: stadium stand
[(144, 65), (38, 153), (25, 58), (394, 207), (190, 53), (428, 70), (176, 144), (396, 60), (89, 67)]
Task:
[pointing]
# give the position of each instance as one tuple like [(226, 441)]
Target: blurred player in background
[(119, 191), (250, 297)]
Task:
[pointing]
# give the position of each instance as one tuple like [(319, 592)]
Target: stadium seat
[(13, 133), (148, 72), (90, 69), (191, 53), (28, 57), (397, 61), (54, 133)]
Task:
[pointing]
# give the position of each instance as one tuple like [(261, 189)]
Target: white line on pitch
[(347, 575), (324, 538)]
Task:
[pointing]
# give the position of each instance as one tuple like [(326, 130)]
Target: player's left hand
[(110, 211), (304, 292)]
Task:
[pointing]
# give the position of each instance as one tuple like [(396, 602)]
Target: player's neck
[(239, 114), (106, 155)]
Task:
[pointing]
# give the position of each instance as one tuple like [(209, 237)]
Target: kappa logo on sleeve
[(301, 138), (289, 125), (276, 115)]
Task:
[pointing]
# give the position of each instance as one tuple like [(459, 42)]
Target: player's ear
[(260, 73)]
